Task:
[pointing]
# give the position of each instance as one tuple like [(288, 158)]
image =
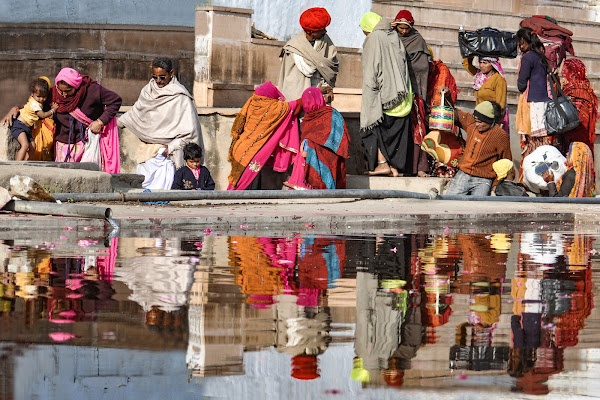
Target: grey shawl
[(166, 115), (419, 59), (385, 74), (323, 56)]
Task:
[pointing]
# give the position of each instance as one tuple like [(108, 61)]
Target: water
[(176, 315)]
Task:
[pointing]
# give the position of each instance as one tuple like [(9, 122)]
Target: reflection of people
[(266, 126), (578, 180), (486, 144), (386, 99), (577, 86), (163, 117), (193, 176), (309, 58)]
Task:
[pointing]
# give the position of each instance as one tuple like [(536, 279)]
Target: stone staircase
[(439, 24)]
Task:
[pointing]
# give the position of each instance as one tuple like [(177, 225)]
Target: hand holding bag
[(441, 117), (91, 149), (561, 114)]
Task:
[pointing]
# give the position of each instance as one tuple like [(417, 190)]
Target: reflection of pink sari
[(284, 143), (109, 143), (106, 264)]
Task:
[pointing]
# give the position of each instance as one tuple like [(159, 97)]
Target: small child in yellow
[(32, 112)]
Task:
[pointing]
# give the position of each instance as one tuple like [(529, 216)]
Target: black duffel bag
[(561, 113), (488, 42)]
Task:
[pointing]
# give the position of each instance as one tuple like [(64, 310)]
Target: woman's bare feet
[(395, 172), (422, 174), (381, 169)]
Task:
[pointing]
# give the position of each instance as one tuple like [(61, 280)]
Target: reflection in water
[(407, 310)]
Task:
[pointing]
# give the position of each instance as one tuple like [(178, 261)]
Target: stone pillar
[(222, 56)]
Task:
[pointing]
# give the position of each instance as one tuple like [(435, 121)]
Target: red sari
[(578, 88)]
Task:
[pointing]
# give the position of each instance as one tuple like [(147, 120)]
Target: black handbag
[(488, 42), (561, 114)]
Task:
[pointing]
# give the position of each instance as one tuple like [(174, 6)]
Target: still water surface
[(305, 316)]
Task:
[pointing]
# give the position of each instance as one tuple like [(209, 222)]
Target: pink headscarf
[(70, 76), (481, 78), (267, 89), (312, 99)]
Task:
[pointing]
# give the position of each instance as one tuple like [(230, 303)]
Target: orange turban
[(315, 19)]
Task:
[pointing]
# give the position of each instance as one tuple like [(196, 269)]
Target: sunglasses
[(159, 77)]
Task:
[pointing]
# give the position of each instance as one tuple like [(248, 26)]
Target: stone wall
[(118, 57)]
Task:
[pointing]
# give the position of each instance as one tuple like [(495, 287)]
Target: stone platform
[(69, 177)]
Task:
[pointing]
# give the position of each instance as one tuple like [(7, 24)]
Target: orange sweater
[(482, 149)]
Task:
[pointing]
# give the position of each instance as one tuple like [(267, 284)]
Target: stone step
[(440, 31), (410, 184), (504, 15)]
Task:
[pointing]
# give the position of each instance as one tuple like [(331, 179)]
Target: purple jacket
[(533, 71)]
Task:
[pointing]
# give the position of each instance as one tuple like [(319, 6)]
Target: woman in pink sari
[(83, 104), (265, 132)]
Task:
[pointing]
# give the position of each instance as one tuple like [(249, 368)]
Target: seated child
[(193, 176), (32, 112)]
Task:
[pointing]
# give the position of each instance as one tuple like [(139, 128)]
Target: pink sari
[(283, 145), (109, 143)]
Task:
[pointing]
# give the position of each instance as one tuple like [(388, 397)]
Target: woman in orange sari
[(266, 126), (579, 179), (577, 86)]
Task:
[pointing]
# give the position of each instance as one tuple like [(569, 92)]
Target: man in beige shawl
[(164, 118), (387, 99), (309, 58)]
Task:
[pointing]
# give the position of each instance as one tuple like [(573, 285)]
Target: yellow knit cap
[(502, 168), (369, 21)]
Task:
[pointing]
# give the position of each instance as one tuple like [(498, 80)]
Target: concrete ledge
[(231, 10), (409, 184), (69, 178)]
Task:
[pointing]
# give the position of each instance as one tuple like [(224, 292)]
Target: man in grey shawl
[(387, 99), (309, 58), (164, 118)]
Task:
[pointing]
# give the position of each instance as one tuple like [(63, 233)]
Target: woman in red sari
[(325, 144), (577, 86)]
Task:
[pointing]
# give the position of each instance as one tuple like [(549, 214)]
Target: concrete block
[(412, 184), (228, 26)]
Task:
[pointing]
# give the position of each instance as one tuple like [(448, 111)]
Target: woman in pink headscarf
[(489, 83), (84, 104), (325, 145)]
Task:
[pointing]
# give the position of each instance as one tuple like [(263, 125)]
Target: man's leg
[(460, 184), (481, 186)]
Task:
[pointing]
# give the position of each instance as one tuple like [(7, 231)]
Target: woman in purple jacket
[(532, 82)]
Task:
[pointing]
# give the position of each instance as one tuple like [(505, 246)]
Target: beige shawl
[(323, 56), (385, 74), (166, 116)]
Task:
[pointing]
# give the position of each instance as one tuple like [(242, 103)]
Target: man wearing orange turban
[(309, 58)]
